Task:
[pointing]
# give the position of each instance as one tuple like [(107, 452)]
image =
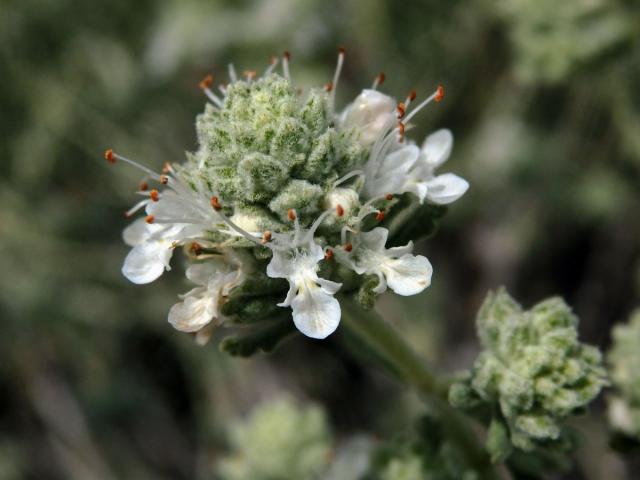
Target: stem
[(370, 328)]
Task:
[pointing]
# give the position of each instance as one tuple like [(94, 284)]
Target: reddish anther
[(291, 214), (195, 248), (439, 94), (339, 210), (215, 203), (412, 95), (400, 109), (381, 78), (149, 218), (206, 82), (143, 186), (328, 87), (380, 216), (266, 237), (348, 247), (328, 255), (109, 156), (164, 179)]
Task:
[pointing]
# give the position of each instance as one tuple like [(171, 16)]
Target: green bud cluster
[(533, 372), (279, 441), (624, 363), (271, 149)]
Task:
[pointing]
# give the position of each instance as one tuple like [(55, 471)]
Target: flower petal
[(374, 239), (315, 312), (197, 309), (408, 274), (446, 188), (137, 232), (146, 262), (437, 148)]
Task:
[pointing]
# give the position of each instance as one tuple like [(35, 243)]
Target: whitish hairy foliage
[(278, 441), (624, 362), (533, 372), (285, 191)]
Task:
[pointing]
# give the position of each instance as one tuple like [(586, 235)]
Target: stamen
[(112, 157), (215, 203), (135, 208), (328, 255), (336, 76), (348, 247), (155, 196), (328, 87), (437, 96), (401, 131), (379, 80), (314, 227), (206, 82), (109, 156), (233, 76), (273, 62), (339, 210), (286, 57), (149, 219), (380, 215), (400, 108), (266, 237), (195, 248), (347, 177)]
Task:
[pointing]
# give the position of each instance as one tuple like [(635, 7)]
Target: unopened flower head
[(304, 191)]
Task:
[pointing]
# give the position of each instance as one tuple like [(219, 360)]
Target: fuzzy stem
[(371, 329)]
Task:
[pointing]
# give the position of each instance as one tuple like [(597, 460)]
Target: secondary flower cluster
[(281, 179), (624, 361), (533, 373)]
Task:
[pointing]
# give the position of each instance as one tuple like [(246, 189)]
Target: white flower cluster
[(223, 231)]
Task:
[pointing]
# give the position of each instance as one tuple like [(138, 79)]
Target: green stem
[(370, 328)]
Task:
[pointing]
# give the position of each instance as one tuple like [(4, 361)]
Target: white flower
[(295, 257), (371, 113), (215, 279), (152, 249), (404, 273), (409, 169)]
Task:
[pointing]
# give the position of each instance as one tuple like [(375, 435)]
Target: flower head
[(283, 176)]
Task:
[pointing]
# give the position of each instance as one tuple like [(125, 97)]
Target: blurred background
[(542, 96)]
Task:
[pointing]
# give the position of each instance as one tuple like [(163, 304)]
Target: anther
[(412, 95), (380, 78), (143, 186), (380, 215), (215, 203), (439, 93), (286, 55), (400, 109), (273, 60), (348, 247), (291, 214), (164, 179), (388, 197), (250, 74), (328, 87), (155, 196), (341, 51), (266, 237), (328, 255), (206, 82), (166, 168), (195, 248), (149, 219), (339, 210), (109, 156)]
